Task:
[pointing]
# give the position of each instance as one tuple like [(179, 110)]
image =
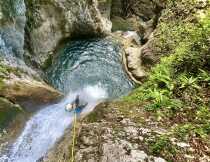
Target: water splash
[(96, 63), (48, 125)]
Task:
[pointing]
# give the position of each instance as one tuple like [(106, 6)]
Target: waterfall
[(49, 124), (90, 68)]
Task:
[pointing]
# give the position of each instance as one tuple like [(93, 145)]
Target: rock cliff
[(51, 22), (167, 117)]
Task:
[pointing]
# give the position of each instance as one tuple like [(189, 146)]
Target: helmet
[(69, 107)]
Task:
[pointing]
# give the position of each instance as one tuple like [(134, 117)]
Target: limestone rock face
[(140, 17), (12, 24), (27, 90), (145, 9), (50, 22), (132, 59), (104, 137)]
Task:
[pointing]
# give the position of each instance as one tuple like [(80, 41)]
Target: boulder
[(131, 54), (147, 55), (28, 91), (133, 36), (134, 63)]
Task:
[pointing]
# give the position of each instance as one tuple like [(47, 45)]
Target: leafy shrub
[(188, 81), (161, 145), (204, 76)]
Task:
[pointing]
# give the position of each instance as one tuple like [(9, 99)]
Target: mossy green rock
[(119, 23), (8, 112)]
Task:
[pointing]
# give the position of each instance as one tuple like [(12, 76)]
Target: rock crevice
[(133, 25)]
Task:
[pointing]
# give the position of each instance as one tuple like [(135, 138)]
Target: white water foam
[(48, 125)]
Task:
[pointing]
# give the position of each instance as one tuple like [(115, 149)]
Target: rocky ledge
[(125, 132), (22, 91), (105, 135), (22, 88)]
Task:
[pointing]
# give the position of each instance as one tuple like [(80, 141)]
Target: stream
[(90, 68)]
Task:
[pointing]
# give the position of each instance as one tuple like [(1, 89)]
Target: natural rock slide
[(78, 71)]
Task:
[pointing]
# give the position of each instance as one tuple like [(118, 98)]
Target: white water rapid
[(91, 68), (48, 125)]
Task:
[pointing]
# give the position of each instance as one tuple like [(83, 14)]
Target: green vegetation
[(32, 14), (184, 71), (5, 70), (162, 145), (7, 112), (177, 90), (47, 63)]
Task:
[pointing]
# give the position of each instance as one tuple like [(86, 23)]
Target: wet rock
[(12, 24), (8, 111), (104, 141), (132, 36), (134, 62), (28, 92), (131, 54), (51, 22), (141, 16), (25, 89), (12, 120)]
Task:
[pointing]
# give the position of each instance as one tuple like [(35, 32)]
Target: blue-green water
[(90, 68), (88, 63)]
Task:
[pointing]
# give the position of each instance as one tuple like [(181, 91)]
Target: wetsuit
[(79, 108)]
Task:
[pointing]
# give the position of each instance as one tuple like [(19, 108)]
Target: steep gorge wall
[(30, 33), (131, 131), (51, 22), (141, 18), (12, 24)]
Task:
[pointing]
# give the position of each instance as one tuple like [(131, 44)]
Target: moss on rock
[(8, 111), (175, 96), (119, 23)]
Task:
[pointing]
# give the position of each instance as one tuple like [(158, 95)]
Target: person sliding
[(75, 105)]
